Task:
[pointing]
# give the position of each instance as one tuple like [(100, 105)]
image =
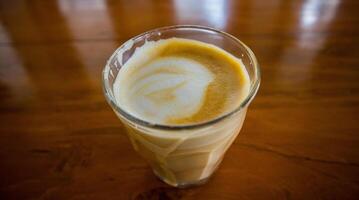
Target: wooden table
[(60, 140)]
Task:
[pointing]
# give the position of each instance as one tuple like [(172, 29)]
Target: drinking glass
[(183, 155)]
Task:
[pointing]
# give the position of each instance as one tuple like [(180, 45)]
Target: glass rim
[(129, 117)]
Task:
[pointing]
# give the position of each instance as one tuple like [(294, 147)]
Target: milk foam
[(160, 88)]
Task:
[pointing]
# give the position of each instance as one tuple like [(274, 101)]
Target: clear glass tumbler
[(183, 155)]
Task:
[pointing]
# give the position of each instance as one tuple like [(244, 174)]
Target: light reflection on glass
[(213, 12)]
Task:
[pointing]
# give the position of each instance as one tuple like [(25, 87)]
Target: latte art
[(180, 81), (169, 88)]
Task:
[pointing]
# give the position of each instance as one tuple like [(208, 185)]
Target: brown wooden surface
[(60, 140)]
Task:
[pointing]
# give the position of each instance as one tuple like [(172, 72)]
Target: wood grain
[(60, 140)]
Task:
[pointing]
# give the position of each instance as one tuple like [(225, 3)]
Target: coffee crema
[(180, 81)]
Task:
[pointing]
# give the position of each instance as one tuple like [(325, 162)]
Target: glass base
[(183, 185)]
